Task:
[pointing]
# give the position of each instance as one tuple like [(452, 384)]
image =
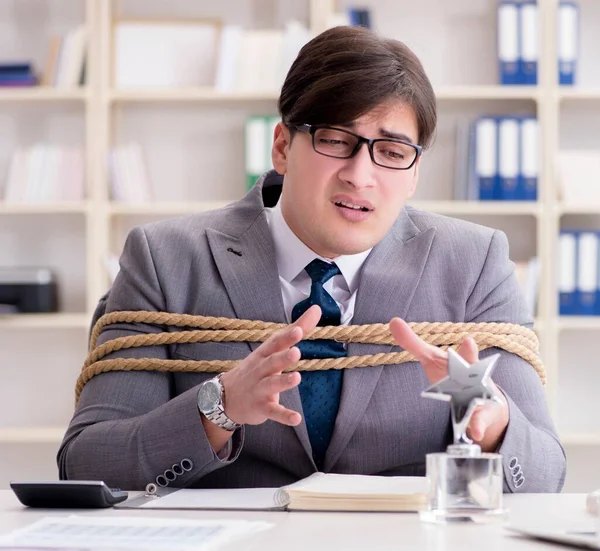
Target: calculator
[(67, 494)]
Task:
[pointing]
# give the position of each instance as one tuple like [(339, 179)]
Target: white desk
[(357, 531)]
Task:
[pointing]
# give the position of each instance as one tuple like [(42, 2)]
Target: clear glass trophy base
[(464, 486)]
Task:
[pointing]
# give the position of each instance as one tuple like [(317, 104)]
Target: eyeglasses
[(341, 144)]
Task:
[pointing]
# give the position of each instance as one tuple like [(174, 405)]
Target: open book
[(318, 492)]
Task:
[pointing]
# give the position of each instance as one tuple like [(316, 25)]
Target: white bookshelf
[(201, 123)]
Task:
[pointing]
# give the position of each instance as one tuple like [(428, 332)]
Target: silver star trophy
[(464, 484)]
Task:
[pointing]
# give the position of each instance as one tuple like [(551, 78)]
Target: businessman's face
[(346, 206)]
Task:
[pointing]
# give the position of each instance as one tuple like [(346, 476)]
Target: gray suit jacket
[(130, 427)]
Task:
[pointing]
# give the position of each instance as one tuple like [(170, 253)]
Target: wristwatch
[(211, 398)]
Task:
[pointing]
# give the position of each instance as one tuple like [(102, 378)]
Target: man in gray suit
[(323, 239)]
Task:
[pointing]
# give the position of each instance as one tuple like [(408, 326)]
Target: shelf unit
[(105, 112)]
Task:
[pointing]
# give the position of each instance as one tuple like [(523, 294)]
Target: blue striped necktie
[(320, 390)]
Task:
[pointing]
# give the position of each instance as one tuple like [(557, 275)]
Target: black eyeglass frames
[(342, 144)]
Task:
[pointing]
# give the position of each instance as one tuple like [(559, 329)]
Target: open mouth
[(351, 206)]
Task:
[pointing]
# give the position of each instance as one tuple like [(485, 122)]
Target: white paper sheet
[(131, 533)]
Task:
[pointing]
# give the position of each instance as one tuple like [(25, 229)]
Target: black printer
[(27, 291)]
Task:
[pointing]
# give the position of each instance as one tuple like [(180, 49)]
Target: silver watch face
[(209, 396)]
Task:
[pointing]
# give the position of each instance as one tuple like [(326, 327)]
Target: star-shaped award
[(466, 387)]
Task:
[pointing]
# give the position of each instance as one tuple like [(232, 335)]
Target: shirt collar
[(293, 255)]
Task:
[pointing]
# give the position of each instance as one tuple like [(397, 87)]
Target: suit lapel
[(388, 282), (248, 268)]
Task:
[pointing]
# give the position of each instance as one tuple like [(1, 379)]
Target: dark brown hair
[(345, 72)]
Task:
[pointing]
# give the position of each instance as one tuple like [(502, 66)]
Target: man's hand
[(489, 422), (252, 388)]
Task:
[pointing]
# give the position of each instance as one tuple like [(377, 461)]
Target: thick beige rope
[(510, 337)]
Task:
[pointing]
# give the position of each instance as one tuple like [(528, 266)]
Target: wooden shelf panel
[(165, 208), (40, 93), (580, 439), (589, 208), (487, 92), (45, 321), (573, 93), (189, 95), (31, 435), (479, 207), (75, 207), (578, 322)]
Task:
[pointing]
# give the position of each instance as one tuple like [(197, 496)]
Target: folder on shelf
[(129, 175), (258, 144), (45, 173), (528, 43), (486, 157), (508, 43), (228, 59), (508, 158), (568, 42), (567, 273), (51, 61), (360, 17), (530, 159), (587, 273), (70, 65), (462, 160), (528, 276), (597, 310), (257, 60), (578, 172)]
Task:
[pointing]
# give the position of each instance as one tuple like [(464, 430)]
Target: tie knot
[(320, 271)]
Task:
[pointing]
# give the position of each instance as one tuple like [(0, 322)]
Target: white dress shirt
[(293, 256)]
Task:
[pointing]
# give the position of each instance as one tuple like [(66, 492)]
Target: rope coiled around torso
[(513, 338)]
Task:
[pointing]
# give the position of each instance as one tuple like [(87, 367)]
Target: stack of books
[(17, 74), (129, 178), (65, 62), (45, 173)]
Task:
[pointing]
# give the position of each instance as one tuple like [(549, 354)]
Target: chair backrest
[(98, 313)]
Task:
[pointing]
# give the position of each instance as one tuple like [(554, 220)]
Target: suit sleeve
[(533, 458), (128, 427)]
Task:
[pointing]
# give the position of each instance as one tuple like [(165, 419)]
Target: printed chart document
[(318, 492), (131, 533)]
